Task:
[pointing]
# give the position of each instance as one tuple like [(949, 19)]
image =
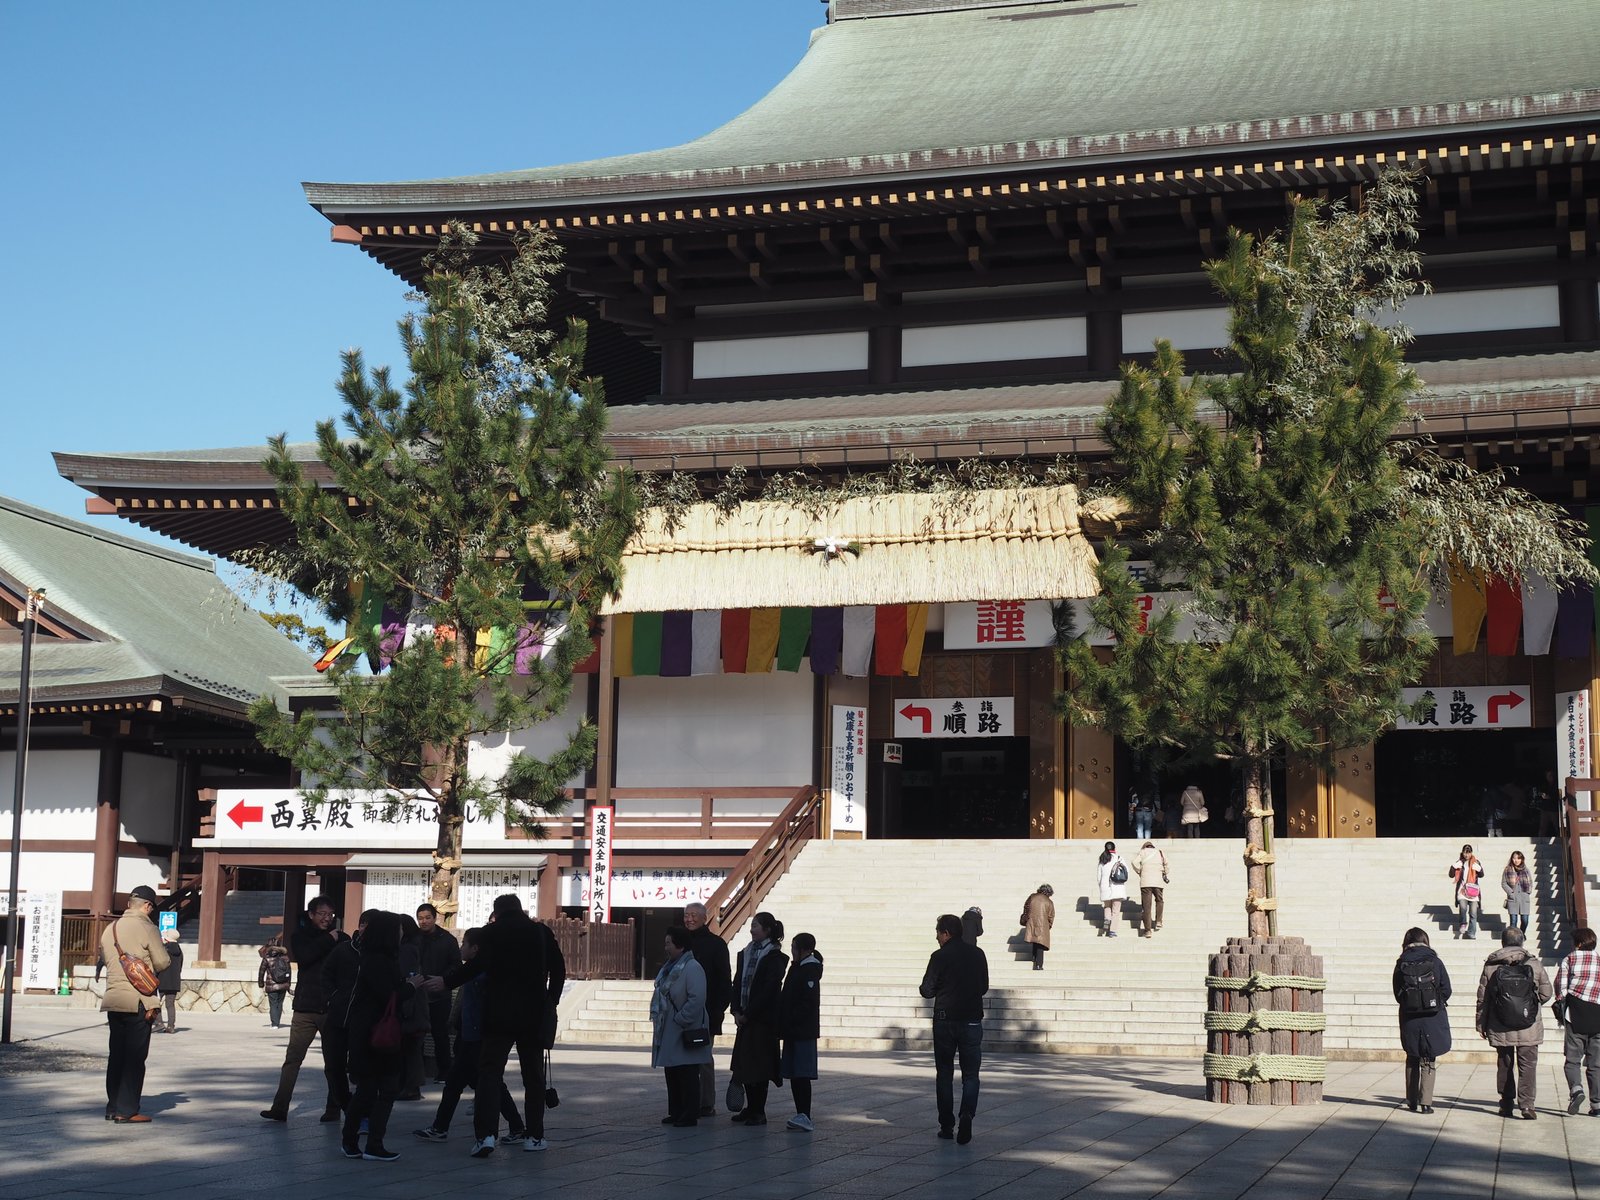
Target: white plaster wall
[(149, 786), (61, 790), (50, 872), (995, 341), (131, 872), (792, 355), (488, 756), (1185, 328), (1480, 310), (715, 730)]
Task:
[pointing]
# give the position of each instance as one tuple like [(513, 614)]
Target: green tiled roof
[(156, 620), (1063, 82)]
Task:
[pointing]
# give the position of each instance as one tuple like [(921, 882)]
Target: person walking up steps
[(1113, 878), (1150, 865), (1038, 915)]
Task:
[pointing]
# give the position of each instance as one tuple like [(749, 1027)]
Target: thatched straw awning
[(1023, 544)]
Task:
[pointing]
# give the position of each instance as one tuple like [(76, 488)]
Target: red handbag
[(386, 1031)]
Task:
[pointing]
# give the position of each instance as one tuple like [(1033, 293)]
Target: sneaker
[(801, 1122), (379, 1154), (1574, 1104), (350, 1150), (1595, 1111), (483, 1148), (430, 1134), (1111, 933), (513, 1139), (1529, 1115), (535, 1145)]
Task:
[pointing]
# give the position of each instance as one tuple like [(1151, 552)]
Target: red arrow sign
[(1502, 700), (912, 713), (242, 814)]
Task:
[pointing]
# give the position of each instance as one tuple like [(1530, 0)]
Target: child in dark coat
[(800, 1025)]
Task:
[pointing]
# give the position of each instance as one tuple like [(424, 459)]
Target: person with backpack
[(1150, 865), (1422, 990), (1510, 991), (1577, 1007), (171, 982), (273, 979), (1113, 872), (1468, 875)]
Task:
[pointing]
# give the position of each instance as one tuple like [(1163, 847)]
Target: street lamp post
[(30, 622)]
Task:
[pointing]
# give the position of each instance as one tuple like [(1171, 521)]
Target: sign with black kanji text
[(1469, 709)]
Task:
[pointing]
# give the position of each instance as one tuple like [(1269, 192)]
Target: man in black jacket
[(711, 952), (956, 981), (339, 970), (525, 974), (308, 947), (439, 952)]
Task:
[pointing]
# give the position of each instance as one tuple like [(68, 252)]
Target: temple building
[(937, 238)]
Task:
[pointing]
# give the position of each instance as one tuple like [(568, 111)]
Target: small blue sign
[(169, 920)]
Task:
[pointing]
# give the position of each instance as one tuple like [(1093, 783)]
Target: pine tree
[(1305, 531), (485, 480)]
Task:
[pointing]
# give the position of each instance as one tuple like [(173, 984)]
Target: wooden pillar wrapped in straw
[(1264, 1024)]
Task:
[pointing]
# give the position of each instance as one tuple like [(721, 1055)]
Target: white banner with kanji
[(600, 824), (41, 957), (1468, 709), (1573, 760), (956, 717), (847, 811)]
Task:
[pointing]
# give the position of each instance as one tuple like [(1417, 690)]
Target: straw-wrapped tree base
[(1264, 1023)]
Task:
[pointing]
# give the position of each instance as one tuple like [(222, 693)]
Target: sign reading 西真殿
[(1463, 709), (956, 717), (283, 818)]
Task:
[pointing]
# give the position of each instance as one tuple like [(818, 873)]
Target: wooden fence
[(595, 951)]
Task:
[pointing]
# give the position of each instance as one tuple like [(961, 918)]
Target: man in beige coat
[(129, 1015), (1516, 1047)]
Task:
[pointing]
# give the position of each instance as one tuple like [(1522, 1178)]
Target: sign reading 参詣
[(1469, 709), (847, 812), (600, 864), (1572, 742)]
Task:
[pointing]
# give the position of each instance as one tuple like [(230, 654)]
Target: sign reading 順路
[(1460, 709), (956, 717)]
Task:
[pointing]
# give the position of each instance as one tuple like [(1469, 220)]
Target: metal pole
[(30, 621)]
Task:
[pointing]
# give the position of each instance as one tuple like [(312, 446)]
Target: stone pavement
[(1047, 1127)]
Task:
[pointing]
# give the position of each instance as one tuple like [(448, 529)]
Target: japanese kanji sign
[(955, 717), (350, 821), (1461, 709), (847, 812), (647, 887), (41, 957), (998, 625), (1572, 742), (600, 822)]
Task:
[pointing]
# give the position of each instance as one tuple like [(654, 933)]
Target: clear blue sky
[(167, 286)]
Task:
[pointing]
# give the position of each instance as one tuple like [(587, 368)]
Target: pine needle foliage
[(1281, 497), (485, 470)]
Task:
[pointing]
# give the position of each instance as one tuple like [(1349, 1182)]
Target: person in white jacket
[(1113, 886)]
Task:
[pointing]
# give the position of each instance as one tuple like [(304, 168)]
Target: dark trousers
[(336, 1064), (1517, 1075), (755, 1098), (464, 1073), (377, 1084), (1154, 906), (1581, 1052), (439, 1025), (492, 1078), (683, 1092), (953, 1039), (129, 1047), (302, 1029), (1038, 955), (275, 1008), (802, 1095)]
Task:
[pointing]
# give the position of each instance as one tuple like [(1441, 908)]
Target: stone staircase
[(872, 908)]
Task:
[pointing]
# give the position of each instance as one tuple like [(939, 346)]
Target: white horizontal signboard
[(284, 818), (1462, 709), (956, 717)]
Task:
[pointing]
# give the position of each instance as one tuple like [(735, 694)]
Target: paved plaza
[(1047, 1127)]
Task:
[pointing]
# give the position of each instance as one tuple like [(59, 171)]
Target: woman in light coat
[(1038, 915), (1112, 891), (677, 1006), (1467, 872), (1195, 814), (1516, 881)]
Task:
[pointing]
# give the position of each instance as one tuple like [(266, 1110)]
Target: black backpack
[(1512, 998), (278, 968), (1419, 988), (1119, 872)]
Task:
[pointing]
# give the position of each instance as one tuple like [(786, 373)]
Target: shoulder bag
[(144, 980), (385, 1033)]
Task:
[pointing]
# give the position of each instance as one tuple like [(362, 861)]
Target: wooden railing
[(766, 862), (704, 822), (595, 951), (1579, 825)]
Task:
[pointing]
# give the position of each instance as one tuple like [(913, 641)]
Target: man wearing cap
[(129, 1015)]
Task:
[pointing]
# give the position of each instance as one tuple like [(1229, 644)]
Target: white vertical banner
[(847, 812), (41, 960), (600, 822), (1572, 742)]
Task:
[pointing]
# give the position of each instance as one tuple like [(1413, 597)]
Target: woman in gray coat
[(677, 1007)]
